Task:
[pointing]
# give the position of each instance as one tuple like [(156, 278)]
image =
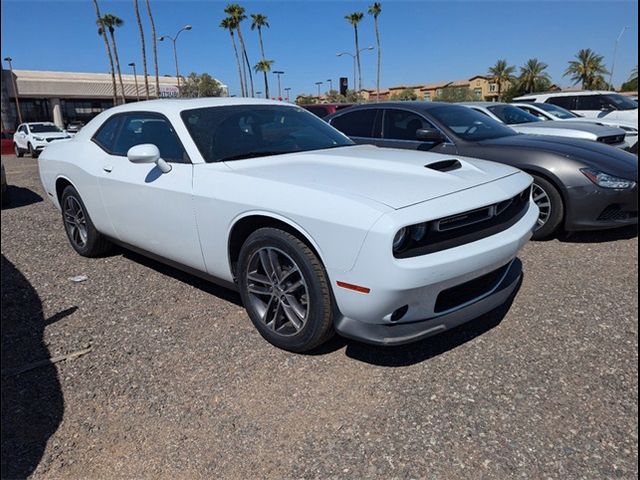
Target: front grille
[(54, 138), (615, 212), (468, 291), (467, 227), (612, 139)]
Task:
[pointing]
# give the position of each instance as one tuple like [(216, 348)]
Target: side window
[(357, 124), (319, 111), (138, 128), (24, 129), (402, 125), (106, 134), (565, 102), (591, 102)]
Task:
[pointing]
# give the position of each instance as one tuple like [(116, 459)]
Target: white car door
[(149, 209)]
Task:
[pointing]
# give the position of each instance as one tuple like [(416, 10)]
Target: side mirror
[(148, 153), (429, 135)]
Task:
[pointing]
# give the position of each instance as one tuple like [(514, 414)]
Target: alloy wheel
[(277, 291), (542, 200), (75, 221)]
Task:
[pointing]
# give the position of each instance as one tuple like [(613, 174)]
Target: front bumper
[(412, 298), (591, 208)]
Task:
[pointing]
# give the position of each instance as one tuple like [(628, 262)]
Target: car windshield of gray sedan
[(469, 124), (557, 111), (512, 115), (248, 131), (621, 102), (44, 127)]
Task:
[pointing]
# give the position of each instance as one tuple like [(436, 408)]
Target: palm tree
[(236, 12), (230, 25), (354, 19), (532, 74), (144, 50), (501, 73), (259, 21), (155, 46), (110, 22), (102, 32), (264, 66), (375, 10), (634, 74), (588, 68)]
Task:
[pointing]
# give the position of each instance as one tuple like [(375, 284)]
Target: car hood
[(592, 154), (393, 177), (51, 135), (574, 126)]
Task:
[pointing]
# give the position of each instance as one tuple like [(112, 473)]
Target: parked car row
[(319, 233)]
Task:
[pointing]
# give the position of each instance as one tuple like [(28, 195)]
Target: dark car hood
[(593, 154)]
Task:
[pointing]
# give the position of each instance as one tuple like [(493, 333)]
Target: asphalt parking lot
[(178, 384)]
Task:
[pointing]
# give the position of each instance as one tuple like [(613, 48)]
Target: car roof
[(565, 94), (180, 104), (480, 104), (417, 104)]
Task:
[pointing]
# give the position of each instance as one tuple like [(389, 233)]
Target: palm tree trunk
[(355, 29), (155, 47), (266, 85), (246, 58), (108, 48), (115, 53), (235, 49), (375, 20), (144, 50), (261, 45)]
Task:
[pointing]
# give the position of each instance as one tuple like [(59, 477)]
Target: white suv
[(594, 104), (33, 137)]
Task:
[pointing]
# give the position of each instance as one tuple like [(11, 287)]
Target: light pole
[(174, 39), (15, 87), (278, 73), (330, 84), (287, 89), (353, 56), (615, 50), (318, 84), (135, 78)]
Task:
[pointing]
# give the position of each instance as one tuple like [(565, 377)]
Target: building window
[(478, 93), (493, 87)]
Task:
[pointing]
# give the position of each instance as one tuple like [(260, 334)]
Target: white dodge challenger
[(316, 233)]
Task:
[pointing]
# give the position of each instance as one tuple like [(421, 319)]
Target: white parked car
[(34, 136), (549, 111), (523, 122), (590, 103), (386, 246)]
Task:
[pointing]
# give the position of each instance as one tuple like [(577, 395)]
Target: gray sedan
[(578, 184)]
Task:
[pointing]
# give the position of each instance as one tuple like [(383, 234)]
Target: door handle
[(107, 168)]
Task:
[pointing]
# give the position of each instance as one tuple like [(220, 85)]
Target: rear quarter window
[(106, 134)]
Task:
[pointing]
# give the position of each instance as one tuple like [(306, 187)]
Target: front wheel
[(19, 153), (285, 290), (81, 232), (549, 201)]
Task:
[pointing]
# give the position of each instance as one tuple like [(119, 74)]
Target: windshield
[(247, 131), (621, 102), (469, 124), (44, 127), (512, 115), (557, 111)]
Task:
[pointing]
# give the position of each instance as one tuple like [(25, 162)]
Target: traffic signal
[(344, 85)]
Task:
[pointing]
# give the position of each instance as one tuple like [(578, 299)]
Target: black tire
[(556, 212), (317, 327), (95, 244), (18, 151), (33, 152)]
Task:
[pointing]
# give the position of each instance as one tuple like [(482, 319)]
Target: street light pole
[(615, 50), (330, 84), (287, 89), (318, 84), (175, 50), (15, 87), (135, 78), (352, 55), (278, 73)]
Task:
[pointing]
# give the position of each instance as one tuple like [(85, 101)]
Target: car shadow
[(20, 197), (420, 351), (196, 282), (600, 236), (32, 404)]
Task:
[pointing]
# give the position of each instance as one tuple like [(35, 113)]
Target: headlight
[(400, 240), (38, 139), (408, 235), (605, 180)]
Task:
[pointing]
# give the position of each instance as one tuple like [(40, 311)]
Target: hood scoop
[(445, 165)]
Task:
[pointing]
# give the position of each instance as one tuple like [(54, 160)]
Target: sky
[(422, 41)]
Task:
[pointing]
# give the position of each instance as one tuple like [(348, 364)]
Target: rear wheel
[(285, 290), (17, 150), (549, 201), (81, 232)]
